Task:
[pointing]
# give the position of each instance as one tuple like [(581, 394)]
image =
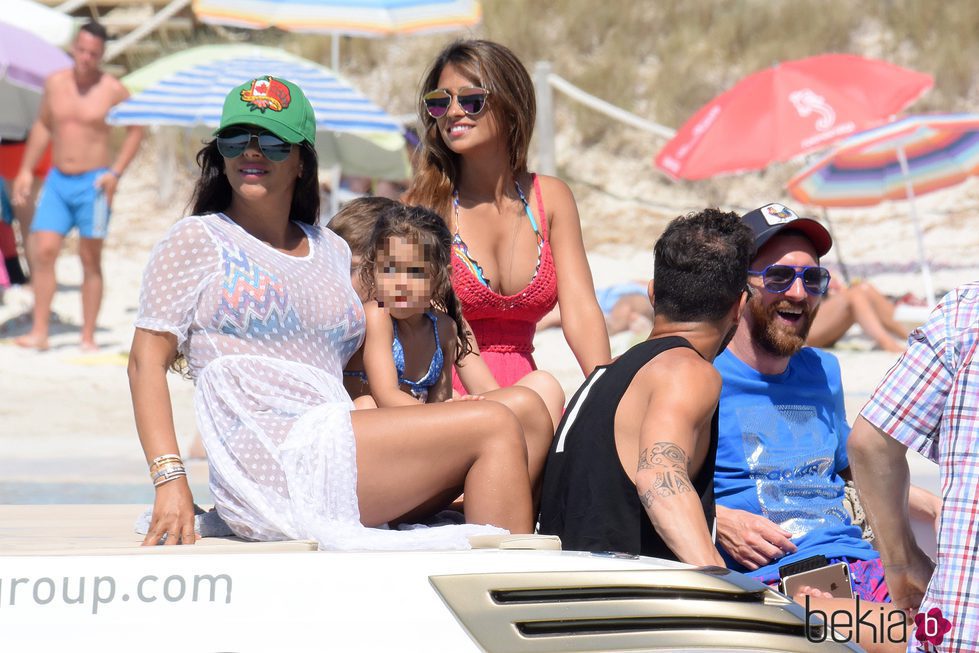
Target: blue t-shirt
[(781, 445)]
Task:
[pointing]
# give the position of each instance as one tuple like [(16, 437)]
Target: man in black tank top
[(631, 468)]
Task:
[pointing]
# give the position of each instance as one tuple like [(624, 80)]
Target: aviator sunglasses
[(779, 278), (232, 143), (471, 100)]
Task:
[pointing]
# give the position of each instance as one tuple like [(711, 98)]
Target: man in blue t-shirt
[(781, 457)]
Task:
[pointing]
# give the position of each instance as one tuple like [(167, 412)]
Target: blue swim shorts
[(69, 201)]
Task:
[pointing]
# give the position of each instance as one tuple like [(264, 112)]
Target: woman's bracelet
[(166, 468), (166, 459), (167, 474)]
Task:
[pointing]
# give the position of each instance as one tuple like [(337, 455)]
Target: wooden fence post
[(544, 128)]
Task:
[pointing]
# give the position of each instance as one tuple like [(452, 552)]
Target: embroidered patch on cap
[(778, 214), (266, 93)]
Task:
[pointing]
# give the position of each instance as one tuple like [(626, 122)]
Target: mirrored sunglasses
[(232, 143), (471, 99), (779, 278)]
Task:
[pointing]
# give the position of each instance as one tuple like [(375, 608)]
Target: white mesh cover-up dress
[(266, 336)]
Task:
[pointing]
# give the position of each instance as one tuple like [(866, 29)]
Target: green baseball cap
[(274, 104)]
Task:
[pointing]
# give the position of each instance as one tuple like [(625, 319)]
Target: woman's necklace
[(455, 202), (513, 237)]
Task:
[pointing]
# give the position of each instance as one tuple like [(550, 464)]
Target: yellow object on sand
[(120, 359)]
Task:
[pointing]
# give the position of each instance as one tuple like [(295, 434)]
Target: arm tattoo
[(646, 499), (668, 482), (665, 454)]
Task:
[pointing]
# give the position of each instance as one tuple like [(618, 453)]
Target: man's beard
[(773, 335)]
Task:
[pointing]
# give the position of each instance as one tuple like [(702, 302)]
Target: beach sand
[(67, 430)]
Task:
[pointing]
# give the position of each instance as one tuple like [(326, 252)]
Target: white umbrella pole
[(836, 246), (335, 52), (919, 235)]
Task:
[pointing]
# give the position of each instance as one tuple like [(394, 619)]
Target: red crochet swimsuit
[(504, 325)]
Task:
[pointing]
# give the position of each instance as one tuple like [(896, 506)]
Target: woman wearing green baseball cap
[(255, 300)]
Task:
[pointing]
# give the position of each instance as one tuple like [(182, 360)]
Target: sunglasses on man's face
[(232, 143), (471, 99), (779, 278)]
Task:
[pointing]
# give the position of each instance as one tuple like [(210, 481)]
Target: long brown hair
[(420, 225), (511, 101)]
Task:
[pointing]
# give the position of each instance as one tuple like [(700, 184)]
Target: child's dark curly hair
[(420, 225)]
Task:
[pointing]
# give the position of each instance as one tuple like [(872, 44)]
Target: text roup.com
[(97, 591)]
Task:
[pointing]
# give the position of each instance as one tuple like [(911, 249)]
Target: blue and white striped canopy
[(187, 90), (194, 96)]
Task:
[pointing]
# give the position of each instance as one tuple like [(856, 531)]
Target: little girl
[(413, 316), (415, 330)]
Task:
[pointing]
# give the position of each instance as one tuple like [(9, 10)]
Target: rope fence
[(545, 82)]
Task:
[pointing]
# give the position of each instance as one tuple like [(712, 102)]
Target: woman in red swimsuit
[(517, 245)]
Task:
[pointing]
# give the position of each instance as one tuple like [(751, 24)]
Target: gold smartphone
[(834, 579)]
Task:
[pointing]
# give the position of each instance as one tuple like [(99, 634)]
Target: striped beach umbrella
[(371, 18), (350, 17), (188, 90), (909, 157)]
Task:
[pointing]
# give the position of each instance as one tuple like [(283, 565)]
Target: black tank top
[(587, 498)]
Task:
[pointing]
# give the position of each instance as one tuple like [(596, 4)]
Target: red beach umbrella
[(789, 109)]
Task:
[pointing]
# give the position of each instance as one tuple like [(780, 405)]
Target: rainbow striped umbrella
[(912, 156), (350, 17)]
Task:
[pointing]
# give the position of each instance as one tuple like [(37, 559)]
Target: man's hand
[(907, 582), (107, 184), (21, 189), (751, 540)]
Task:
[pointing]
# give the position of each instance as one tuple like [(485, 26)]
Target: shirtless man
[(80, 187), (631, 468)]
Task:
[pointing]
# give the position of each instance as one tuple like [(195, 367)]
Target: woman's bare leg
[(866, 316), (833, 320), (435, 505), (408, 456), (885, 311), (550, 391), (617, 320), (532, 413)]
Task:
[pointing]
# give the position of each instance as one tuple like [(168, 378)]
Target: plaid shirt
[(929, 401)]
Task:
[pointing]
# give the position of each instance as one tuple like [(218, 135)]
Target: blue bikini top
[(420, 387)]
